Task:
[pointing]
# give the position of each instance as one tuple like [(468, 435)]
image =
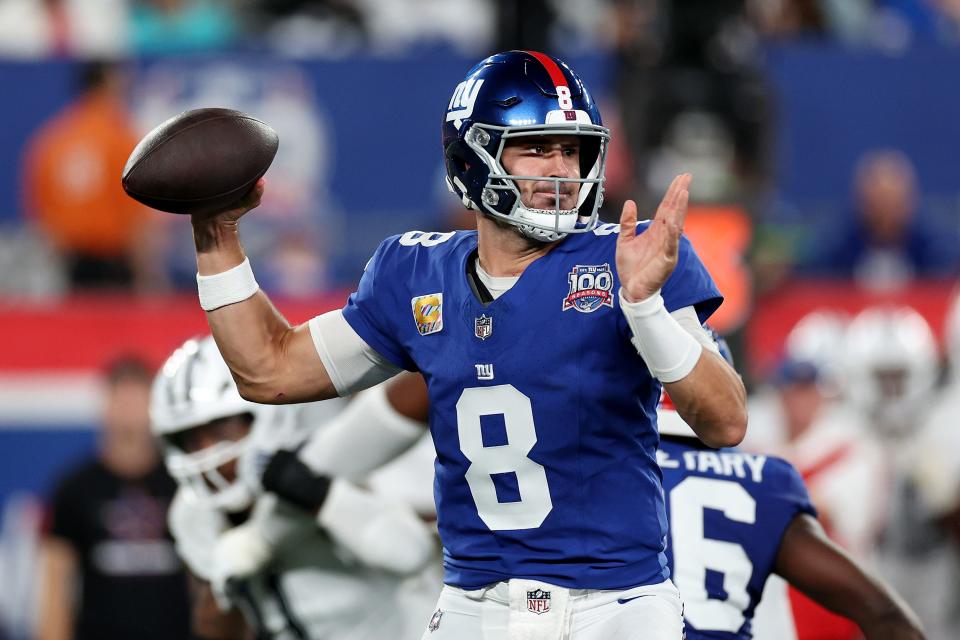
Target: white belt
[(538, 610)]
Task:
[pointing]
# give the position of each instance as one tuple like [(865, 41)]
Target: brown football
[(200, 162)]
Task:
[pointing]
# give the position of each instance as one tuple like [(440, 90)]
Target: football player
[(738, 518), (803, 417), (936, 473), (892, 365), (544, 340), (269, 568)]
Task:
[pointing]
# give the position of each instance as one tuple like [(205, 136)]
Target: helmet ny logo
[(461, 104)]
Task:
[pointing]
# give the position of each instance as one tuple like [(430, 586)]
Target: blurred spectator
[(886, 242), (524, 24), (689, 87), (898, 24), (891, 25), (181, 26), (83, 28), (110, 570), (788, 19), (25, 28), (397, 25), (312, 27), (72, 187)]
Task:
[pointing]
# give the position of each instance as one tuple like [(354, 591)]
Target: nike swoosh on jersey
[(626, 600)]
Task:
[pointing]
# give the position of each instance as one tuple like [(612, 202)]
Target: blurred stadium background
[(822, 135)]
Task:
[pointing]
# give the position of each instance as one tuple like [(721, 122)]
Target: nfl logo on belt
[(538, 601), (590, 287), (483, 326), (428, 313)]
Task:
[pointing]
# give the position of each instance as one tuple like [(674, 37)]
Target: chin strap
[(539, 233)]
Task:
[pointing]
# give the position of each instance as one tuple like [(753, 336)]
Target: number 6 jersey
[(728, 512), (541, 411)]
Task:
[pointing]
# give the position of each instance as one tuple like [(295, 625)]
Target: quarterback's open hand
[(645, 261)]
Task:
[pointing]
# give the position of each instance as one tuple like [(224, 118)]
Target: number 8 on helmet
[(521, 94)]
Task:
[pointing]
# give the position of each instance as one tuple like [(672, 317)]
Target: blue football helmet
[(514, 94)]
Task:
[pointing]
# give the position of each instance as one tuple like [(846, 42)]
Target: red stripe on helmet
[(556, 74)]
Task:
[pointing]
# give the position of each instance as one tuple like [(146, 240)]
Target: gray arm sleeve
[(687, 318), (352, 364)]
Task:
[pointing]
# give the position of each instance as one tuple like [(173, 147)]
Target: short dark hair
[(128, 368)]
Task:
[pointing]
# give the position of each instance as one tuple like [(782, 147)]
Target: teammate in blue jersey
[(544, 340), (737, 518)]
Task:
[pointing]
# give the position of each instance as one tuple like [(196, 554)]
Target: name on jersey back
[(721, 463)]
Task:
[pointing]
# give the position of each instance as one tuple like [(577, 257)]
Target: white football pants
[(652, 612)]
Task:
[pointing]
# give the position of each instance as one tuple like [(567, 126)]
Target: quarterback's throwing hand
[(248, 202), (645, 261), (209, 229)]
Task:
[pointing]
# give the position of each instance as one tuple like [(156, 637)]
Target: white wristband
[(230, 286), (669, 351)]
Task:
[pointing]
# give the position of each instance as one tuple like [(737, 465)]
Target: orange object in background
[(721, 236), (72, 178)]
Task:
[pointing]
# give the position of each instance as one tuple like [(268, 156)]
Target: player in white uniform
[(338, 573), (803, 419), (892, 364), (936, 472)]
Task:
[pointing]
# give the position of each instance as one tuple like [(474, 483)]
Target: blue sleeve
[(690, 284), (373, 307), (794, 492)]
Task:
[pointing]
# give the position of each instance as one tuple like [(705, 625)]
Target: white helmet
[(193, 388), (890, 365), (817, 339)]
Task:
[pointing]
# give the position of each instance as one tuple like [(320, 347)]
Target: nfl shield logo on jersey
[(590, 288), (428, 313), (483, 326), (538, 601)]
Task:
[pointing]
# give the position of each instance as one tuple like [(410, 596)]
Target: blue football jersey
[(541, 411), (728, 511)]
